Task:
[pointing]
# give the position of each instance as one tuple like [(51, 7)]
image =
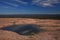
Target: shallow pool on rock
[(23, 29)]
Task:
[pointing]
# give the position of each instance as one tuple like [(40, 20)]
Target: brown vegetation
[(47, 24)]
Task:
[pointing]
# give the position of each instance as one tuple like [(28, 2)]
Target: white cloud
[(12, 4), (45, 2), (19, 1)]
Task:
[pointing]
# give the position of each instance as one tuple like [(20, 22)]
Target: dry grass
[(47, 24)]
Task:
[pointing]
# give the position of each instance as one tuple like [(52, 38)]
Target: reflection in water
[(24, 29)]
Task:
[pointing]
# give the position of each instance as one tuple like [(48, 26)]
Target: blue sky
[(8, 7)]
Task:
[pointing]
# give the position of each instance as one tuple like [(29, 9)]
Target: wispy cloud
[(15, 5), (8, 4), (45, 2), (19, 1)]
